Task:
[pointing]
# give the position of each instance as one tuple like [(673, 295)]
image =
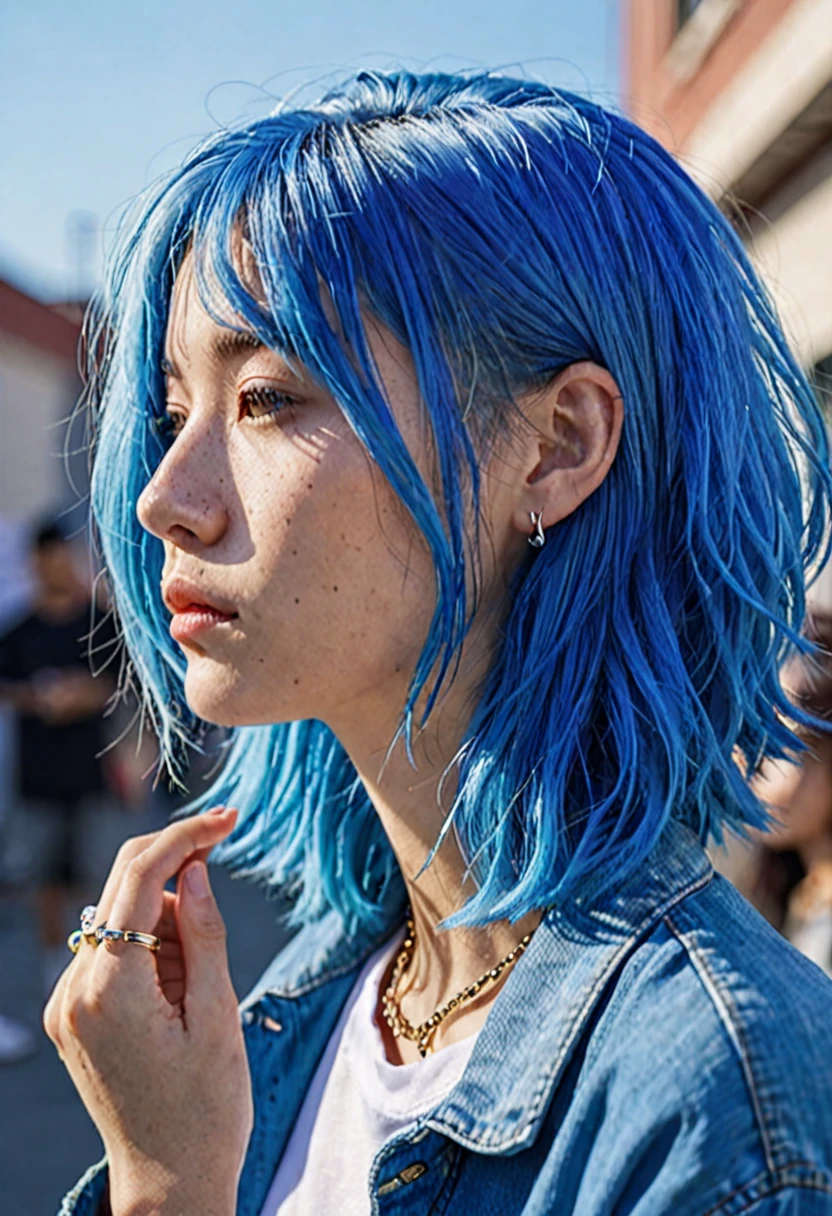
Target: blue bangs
[(502, 229)]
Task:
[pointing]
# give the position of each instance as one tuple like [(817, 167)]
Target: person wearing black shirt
[(45, 673)]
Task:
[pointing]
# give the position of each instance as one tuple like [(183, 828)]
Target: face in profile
[(271, 511)]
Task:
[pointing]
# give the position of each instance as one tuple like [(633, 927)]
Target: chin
[(225, 697), (215, 694)]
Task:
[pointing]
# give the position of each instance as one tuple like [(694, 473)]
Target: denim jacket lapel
[(522, 1050)]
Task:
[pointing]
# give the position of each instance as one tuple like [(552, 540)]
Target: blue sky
[(97, 99)]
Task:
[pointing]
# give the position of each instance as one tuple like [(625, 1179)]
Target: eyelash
[(169, 425), (265, 394)]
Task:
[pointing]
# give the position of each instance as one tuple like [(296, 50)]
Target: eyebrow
[(233, 342)]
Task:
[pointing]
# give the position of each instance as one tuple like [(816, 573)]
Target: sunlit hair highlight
[(502, 229)]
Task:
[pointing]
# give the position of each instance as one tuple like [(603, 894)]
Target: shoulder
[(714, 1052), (774, 1010)]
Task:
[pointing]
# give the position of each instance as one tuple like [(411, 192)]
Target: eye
[(169, 424), (258, 400)]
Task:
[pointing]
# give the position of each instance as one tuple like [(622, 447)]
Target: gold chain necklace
[(422, 1035)]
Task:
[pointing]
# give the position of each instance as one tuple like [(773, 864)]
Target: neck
[(413, 810)]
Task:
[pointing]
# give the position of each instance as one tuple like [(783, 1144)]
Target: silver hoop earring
[(538, 539)]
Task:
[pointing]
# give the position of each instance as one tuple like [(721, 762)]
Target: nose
[(182, 503)]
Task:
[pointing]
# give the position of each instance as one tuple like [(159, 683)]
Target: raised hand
[(152, 1039)]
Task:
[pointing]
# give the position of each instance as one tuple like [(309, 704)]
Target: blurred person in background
[(791, 882), (17, 1040), (45, 675)]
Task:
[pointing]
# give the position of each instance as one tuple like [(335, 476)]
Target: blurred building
[(741, 91), (39, 384), (43, 467)]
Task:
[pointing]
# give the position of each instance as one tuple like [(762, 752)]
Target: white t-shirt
[(356, 1102)]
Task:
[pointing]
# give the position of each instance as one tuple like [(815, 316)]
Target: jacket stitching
[(493, 1142), (448, 1188), (407, 1138), (730, 1023), (70, 1200), (768, 1183)]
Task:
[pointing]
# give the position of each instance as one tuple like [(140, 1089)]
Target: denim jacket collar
[(527, 1040)]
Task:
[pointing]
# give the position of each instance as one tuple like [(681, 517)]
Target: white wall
[(36, 393)]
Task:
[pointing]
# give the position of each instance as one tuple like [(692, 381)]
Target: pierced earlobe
[(538, 539)]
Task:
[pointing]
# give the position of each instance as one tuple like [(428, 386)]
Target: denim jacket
[(661, 1050)]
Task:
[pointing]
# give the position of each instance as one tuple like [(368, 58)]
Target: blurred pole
[(81, 238)]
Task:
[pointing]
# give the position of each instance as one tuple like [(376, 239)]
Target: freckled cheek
[(330, 547), (308, 529)]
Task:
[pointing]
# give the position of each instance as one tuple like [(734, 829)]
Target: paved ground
[(46, 1138)]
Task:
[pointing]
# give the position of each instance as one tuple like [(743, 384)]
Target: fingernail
[(196, 878), (216, 810)]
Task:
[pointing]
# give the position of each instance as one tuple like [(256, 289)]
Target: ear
[(572, 439)]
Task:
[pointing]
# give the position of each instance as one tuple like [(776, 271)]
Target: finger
[(70, 983), (208, 987), (171, 972), (130, 849), (165, 927), (169, 954), (173, 989), (139, 901), (165, 930), (51, 1016)]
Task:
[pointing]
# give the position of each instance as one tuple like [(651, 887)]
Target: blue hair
[(502, 229)]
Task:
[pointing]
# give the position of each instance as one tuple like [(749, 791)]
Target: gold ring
[(149, 940), (74, 940)]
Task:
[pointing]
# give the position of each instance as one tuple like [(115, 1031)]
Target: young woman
[(448, 451)]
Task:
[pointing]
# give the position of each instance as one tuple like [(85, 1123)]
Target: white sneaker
[(17, 1041)]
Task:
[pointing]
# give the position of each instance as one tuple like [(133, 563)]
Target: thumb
[(203, 939)]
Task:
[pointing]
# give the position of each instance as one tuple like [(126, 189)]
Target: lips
[(196, 615), (180, 596)]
